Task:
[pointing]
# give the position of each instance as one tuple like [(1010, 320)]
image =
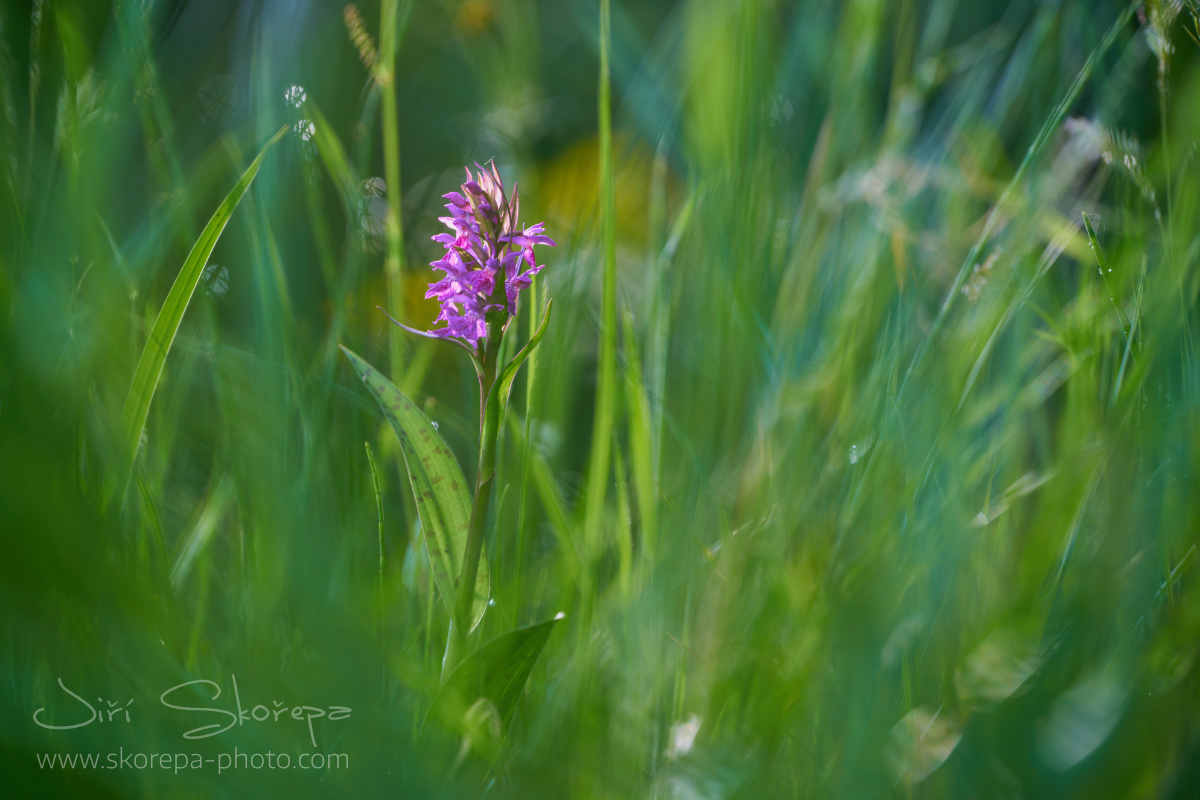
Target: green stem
[(378, 510), (460, 626), (382, 596), (394, 265), (1166, 145), (1102, 264), (456, 648), (597, 476)]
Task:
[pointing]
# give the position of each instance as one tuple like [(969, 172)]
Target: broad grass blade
[(486, 686), (154, 355), (439, 488)]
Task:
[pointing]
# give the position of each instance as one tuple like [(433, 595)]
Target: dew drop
[(306, 129), (295, 96)]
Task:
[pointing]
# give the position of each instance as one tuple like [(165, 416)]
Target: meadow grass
[(859, 455)]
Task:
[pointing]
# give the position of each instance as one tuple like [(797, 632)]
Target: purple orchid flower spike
[(489, 258), (484, 251)]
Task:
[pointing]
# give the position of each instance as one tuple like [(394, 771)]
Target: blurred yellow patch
[(417, 312), (475, 16), (571, 183)]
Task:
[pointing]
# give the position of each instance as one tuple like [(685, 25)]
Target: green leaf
[(504, 380), (497, 401), (198, 538), (438, 485), (486, 686), (641, 451), (334, 155), (154, 355), (1102, 264), (600, 460)]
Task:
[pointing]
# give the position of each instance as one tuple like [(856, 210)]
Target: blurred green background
[(901, 493)]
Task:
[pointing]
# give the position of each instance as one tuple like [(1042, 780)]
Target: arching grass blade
[(154, 355)]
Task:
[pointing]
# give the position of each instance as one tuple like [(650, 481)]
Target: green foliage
[(441, 493), (860, 453), (602, 425), (484, 689), (166, 325), (497, 399)]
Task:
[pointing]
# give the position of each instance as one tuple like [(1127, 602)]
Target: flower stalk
[(484, 478)]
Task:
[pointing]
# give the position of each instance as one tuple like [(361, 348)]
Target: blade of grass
[(378, 510), (993, 218), (393, 267), (202, 531), (157, 126), (530, 372), (382, 595), (1102, 263), (660, 319), (1133, 331), (598, 465), (154, 355), (641, 454), (330, 148), (552, 503), (624, 528)]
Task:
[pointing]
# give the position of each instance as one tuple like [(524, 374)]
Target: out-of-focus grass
[(901, 488)]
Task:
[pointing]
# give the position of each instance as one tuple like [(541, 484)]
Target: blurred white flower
[(683, 736), (920, 743), (1080, 720)]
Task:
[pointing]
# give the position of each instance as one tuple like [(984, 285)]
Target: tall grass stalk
[(522, 507), (390, 23), (606, 389)]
